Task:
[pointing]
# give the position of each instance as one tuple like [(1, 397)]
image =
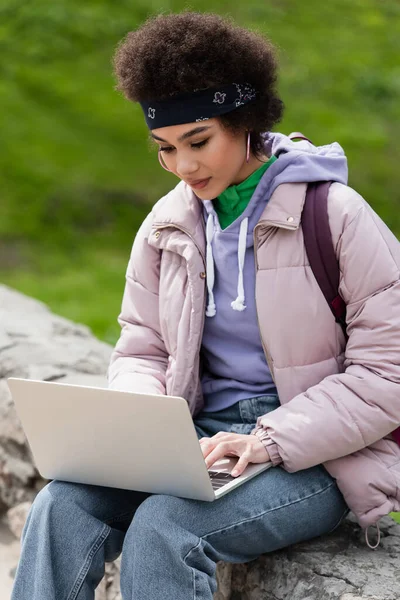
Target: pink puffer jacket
[(338, 403)]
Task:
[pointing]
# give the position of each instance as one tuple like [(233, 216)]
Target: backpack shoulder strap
[(320, 250), (321, 253)]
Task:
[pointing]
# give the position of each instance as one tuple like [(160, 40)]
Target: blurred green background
[(77, 175)]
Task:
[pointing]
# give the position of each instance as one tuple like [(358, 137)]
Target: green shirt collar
[(232, 202)]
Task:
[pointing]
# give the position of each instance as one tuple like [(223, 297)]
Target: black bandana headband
[(199, 105)]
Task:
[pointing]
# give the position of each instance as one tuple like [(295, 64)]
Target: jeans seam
[(192, 568), (85, 567), (267, 511), (345, 512)]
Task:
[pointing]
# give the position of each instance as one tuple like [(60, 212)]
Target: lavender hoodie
[(234, 364)]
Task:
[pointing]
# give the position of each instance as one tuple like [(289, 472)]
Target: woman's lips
[(202, 184)]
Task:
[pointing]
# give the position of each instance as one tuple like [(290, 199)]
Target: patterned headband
[(199, 105)]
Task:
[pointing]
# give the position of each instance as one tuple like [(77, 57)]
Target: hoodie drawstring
[(211, 309), (239, 304)]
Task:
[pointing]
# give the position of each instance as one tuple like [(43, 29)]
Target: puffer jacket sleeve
[(349, 411), (139, 360)]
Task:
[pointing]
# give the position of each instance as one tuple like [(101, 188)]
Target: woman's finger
[(207, 446), (240, 465), (217, 453)]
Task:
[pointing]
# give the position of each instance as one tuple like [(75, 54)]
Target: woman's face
[(205, 150)]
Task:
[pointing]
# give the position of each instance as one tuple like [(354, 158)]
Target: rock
[(16, 518), (101, 590), (36, 344), (9, 552)]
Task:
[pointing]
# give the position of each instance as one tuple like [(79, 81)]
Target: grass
[(396, 516)]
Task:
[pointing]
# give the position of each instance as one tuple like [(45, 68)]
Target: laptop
[(119, 439)]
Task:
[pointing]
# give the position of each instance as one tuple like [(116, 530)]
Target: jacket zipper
[(173, 226), (268, 357)]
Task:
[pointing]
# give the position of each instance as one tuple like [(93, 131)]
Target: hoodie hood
[(298, 162), (302, 162)]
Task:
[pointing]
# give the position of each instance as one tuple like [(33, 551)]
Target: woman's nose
[(186, 166)]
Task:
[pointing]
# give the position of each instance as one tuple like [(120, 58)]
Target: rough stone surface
[(16, 517), (36, 344), (9, 552), (336, 566)]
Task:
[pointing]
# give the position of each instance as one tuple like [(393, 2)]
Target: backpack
[(321, 253)]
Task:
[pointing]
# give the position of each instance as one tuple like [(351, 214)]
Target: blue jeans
[(170, 545)]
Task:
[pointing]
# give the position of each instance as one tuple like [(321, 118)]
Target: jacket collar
[(182, 209), (285, 206)]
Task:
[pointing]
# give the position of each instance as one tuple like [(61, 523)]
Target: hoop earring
[(248, 147), (162, 163)]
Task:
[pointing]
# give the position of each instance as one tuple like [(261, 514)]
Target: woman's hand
[(248, 448)]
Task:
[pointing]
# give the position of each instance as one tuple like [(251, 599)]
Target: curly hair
[(172, 54)]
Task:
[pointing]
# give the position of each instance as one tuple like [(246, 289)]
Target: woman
[(221, 307)]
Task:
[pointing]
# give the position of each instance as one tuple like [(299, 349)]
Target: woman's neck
[(249, 168)]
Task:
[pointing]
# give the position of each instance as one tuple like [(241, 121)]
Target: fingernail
[(234, 473)]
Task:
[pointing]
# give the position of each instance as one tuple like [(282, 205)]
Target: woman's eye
[(168, 149), (200, 144)]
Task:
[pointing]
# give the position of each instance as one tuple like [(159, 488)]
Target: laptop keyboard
[(219, 479)]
